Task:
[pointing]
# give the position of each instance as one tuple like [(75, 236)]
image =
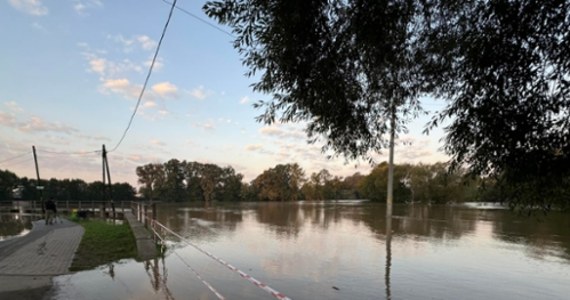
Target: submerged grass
[(103, 243)]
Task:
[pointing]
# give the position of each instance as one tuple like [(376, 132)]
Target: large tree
[(151, 176), (280, 183), (8, 181), (346, 67), (505, 68)]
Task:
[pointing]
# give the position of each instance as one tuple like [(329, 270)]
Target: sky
[(71, 72)]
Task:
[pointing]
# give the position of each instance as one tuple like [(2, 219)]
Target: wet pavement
[(28, 263)]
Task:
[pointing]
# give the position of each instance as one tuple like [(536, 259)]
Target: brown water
[(13, 225), (340, 250)]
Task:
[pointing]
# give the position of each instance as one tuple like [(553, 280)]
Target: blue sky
[(71, 71)]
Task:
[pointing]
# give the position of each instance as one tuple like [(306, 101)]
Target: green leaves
[(503, 67), (508, 93), (178, 181), (338, 66), (280, 183)]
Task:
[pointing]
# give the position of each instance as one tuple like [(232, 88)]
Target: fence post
[(139, 216), (145, 216), (103, 211)]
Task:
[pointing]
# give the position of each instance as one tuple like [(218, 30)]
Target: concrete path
[(146, 247), (28, 263)]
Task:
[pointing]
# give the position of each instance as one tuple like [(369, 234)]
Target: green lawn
[(103, 243)]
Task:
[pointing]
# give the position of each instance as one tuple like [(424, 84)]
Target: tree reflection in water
[(388, 257), (437, 223), (157, 280)]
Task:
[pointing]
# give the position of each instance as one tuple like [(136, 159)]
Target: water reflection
[(14, 225), (543, 236), (437, 224), (388, 257), (158, 276), (344, 250), (202, 221)]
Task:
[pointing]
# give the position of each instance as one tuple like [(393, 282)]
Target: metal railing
[(92, 207)]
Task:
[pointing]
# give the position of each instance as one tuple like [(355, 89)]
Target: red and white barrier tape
[(202, 279), (244, 275), (207, 284)]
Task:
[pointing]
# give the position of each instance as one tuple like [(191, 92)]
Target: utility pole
[(390, 194), (38, 186), (107, 172), (389, 200)]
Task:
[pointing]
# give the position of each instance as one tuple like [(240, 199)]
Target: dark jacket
[(50, 205)]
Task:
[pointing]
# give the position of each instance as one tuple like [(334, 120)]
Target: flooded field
[(341, 250)]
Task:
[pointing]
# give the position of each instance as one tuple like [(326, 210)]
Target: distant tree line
[(179, 181), (14, 187)]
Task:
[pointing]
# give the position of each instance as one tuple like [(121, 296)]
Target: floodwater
[(341, 250), (14, 225)]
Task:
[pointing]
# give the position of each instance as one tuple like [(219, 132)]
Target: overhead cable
[(70, 153), (17, 162), (147, 78), (15, 157), (202, 20)]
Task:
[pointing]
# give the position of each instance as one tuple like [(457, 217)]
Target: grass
[(103, 243)]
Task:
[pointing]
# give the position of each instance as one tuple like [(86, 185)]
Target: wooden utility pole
[(107, 175), (389, 201), (390, 194), (38, 186)]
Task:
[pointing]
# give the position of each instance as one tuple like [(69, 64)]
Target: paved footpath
[(28, 263)]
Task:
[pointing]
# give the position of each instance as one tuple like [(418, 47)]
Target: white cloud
[(79, 7), (39, 26), (244, 100), (82, 6), (199, 93), (156, 142), (149, 104), (165, 89), (106, 68), (255, 147), (98, 65), (37, 124), (7, 119), (116, 84), (206, 125), (158, 63), (13, 106), (146, 42), (32, 7), (143, 42), (33, 124), (121, 86), (281, 131)]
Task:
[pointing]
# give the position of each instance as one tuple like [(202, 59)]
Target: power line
[(70, 153), (202, 20), (147, 77), (15, 157), (18, 162)]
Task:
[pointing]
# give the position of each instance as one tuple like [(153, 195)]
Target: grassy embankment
[(103, 243)]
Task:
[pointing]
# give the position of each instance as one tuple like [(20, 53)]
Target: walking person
[(51, 211)]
